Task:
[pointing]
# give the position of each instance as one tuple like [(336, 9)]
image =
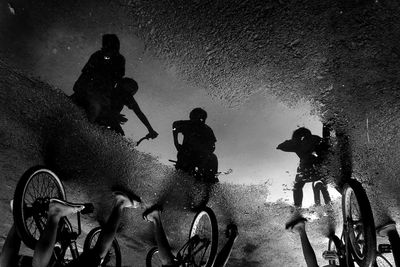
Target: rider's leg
[(164, 249), (10, 250), (298, 191), (45, 245), (316, 190), (325, 193), (389, 230), (308, 252), (93, 109), (107, 234), (224, 254)]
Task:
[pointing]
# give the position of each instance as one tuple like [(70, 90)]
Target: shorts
[(86, 259)]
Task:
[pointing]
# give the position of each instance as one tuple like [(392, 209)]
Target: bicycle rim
[(204, 230), (357, 215), (381, 261), (33, 191), (153, 258), (113, 257)]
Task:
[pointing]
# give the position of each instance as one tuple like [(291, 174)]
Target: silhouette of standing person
[(99, 76), (310, 149), (195, 154)]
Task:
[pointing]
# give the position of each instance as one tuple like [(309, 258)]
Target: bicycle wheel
[(31, 198), (113, 257), (335, 245), (357, 215), (205, 229), (381, 261), (153, 258)]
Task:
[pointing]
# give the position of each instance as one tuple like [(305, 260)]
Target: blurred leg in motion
[(153, 215), (10, 250), (298, 226), (108, 231), (225, 253)]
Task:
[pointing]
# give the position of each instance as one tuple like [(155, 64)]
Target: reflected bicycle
[(201, 247), (31, 201)]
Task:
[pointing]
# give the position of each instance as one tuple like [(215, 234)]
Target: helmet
[(110, 42), (128, 85), (198, 114), (301, 133)]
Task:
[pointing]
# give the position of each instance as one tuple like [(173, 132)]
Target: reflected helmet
[(301, 133), (198, 114), (110, 42)]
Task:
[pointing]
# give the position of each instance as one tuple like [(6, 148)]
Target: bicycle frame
[(187, 253)]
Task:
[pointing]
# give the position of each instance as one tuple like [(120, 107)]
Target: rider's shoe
[(384, 230), (127, 200), (231, 231), (63, 208), (296, 222), (151, 212)]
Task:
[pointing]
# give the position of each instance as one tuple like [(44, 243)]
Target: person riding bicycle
[(102, 90), (311, 150), (105, 68), (195, 154), (153, 215), (123, 95)]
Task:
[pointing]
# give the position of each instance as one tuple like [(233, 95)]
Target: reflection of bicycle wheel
[(31, 198), (381, 261), (113, 257), (357, 216), (153, 258), (204, 229), (335, 245)]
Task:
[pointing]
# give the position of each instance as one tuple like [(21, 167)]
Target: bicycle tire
[(335, 245), (381, 261), (25, 200), (354, 196), (206, 212), (113, 258), (152, 258)]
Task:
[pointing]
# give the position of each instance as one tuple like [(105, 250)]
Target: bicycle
[(195, 252), (358, 242), (31, 201)]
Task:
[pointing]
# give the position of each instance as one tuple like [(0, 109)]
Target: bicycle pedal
[(330, 255), (384, 248)]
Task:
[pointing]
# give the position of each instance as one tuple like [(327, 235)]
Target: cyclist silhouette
[(195, 154), (311, 150), (103, 92)]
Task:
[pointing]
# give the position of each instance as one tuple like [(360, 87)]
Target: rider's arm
[(176, 129), (288, 146), (133, 105)]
